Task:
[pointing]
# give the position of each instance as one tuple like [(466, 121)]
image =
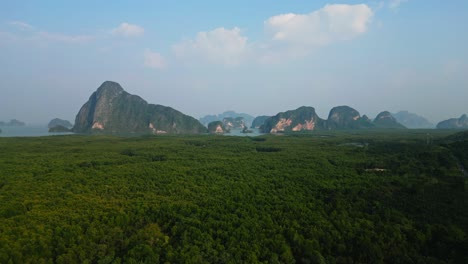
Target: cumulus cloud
[(21, 25), (224, 46), (329, 24), (288, 35), (154, 60), (395, 4), (128, 30)]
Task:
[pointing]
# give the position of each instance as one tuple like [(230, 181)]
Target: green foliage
[(59, 129), (307, 198)]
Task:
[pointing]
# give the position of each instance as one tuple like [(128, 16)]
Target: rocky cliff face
[(258, 121), (454, 123), (112, 110), (234, 123), (217, 127), (386, 120), (345, 117), (340, 117), (303, 118)]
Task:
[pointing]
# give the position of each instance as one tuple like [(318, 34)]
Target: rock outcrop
[(345, 117), (217, 127), (386, 120), (234, 122), (112, 110), (227, 114), (340, 118), (303, 118), (258, 121), (454, 123)]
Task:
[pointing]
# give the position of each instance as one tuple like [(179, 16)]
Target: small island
[(217, 127), (59, 129), (58, 125), (246, 131), (13, 122), (59, 122)]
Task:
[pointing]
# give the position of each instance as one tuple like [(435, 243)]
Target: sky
[(257, 57)]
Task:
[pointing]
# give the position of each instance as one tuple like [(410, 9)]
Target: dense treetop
[(367, 197)]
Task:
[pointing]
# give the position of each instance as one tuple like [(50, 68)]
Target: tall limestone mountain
[(386, 120), (258, 121), (345, 117), (454, 123), (112, 110), (411, 120), (303, 118)]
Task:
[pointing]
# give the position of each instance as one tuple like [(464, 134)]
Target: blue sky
[(258, 57)]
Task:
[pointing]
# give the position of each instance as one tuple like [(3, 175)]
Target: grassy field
[(348, 197)]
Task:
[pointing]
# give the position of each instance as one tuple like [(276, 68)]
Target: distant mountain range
[(12, 122), (225, 126), (110, 109), (411, 120), (227, 114), (340, 118), (454, 123)]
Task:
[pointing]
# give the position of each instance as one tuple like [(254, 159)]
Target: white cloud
[(128, 30), (288, 35), (21, 25), (57, 37), (36, 35), (395, 4), (329, 24), (224, 46), (154, 60)]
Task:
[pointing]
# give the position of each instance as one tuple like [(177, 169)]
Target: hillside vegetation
[(303, 198)]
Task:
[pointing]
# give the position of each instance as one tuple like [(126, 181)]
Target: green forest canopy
[(372, 197)]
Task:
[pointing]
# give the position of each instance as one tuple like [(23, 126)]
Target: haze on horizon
[(260, 58)]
